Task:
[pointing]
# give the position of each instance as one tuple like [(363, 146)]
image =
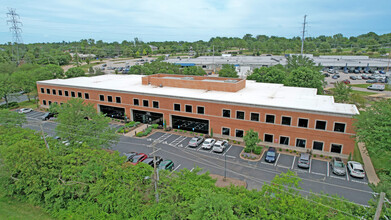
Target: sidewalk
[(135, 131), (370, 170)]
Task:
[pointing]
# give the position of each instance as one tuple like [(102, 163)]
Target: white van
[(377, 87)]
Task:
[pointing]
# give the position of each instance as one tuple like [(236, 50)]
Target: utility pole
[(155, 176), (16, 30), (379, 206), (214, 67), (44, 138), (302, 38)]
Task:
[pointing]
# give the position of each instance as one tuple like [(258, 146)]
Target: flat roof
[(255, 94)]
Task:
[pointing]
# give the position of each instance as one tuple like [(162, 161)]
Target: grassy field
[(361, 85), (356, 154), (85, 67), (363, 93)]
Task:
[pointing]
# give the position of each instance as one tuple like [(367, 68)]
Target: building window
[(317, 145), (189, 108), (73, 94), (320, 125), (102, 98), (254, 117), (239, 133), (54, 91), (339, 127), (155, 104), (42, 90), (177, 107), (60, 92), (239, 115), (284, 140), (300, 142), (200, 110), (268, 138), (48, 91), (145, 103), (110, 98), (136, 102), (336, 148), (303, 123), (225, 131), (285, 120), (270, 118), (44, 102), (50, 102), (66, 93), (86, 96), (118, 99), (79, 95), (226, 113)]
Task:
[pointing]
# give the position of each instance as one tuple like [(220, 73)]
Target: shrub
[(154, 126), (191, 132), (321, 155), (279, 149), (286, 150), (234, 141), (131, 124), (314, 155), (140, 134), (294, 151), (175, 130), (201, 135), (247, 150), (257, 150), (290, 151)]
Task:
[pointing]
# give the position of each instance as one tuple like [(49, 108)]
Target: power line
[(302, 38), (15, 29)]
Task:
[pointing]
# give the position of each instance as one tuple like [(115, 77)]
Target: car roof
[(305, 156), (356, 165), (165, 162), (209, 139), (338, 159)]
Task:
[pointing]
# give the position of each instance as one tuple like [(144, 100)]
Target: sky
[(191, 20)]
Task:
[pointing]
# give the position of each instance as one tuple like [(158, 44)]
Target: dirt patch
[(228, 181)]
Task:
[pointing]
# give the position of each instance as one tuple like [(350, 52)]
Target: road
[(16, 97), (317, 179)]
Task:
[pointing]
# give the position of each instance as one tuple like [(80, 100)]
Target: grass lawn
[(356, 154), (85, 67), (361, 85), (364, 93)]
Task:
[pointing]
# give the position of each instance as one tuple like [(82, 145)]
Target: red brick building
[(288, 117)]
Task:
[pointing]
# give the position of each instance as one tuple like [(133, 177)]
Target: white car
[(25, 110), (220, 146), (356, 169), (208, 143)]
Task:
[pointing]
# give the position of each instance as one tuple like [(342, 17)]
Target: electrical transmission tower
[(302, 38), (15, 24)]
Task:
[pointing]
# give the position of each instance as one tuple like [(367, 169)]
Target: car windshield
[(339, 164), (303, 161), (193, 140), (359, 170), (270, 154), (135, 158), (206, 142)]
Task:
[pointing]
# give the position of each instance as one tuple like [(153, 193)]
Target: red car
[(138, 158), (346, 81)]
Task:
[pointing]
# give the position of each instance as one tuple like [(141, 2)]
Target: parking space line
[(155, 151), (278, 157), (338, 177), (293, 163), (283, 166), (321, 174), (175, 168), (356, 181), (267, 163), (328, 168), (192, 169), (227, 150), (231, 156)]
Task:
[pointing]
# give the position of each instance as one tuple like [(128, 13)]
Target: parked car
[(382, 72), (47, 116), (271, 155), (335, 77), (338, 167), (166, 165), (364, 76), (149, 161), (356, 71), (371, 81), (326, 74), (377, 87), (130, 155), (104, 65), (304, 161), (208, 143), (356, 169), (220, 146), (353, 77), (346, 81), (359, 78), (138, 158), (195, 141), (25, 110)]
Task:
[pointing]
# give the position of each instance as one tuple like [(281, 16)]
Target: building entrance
[(112, 112), (190, 124), (147, 117)]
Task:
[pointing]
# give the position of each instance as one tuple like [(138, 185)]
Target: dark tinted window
[(269, 138), (239, 115), (189, 108), (321, 125), (155, 104), (50, 102), (136, 102), (110, 98), (300, 142), (226, 113), (54, 92), (303, 123), (145, 103), (86, 96), (317, 145), (336, 148), (73, 94), (225, 131), (79, 94), (286, 120), (44, 102), (48, 91), (66, 93), (60, 92), (42, 90), (284, 140), (254, 116), (200, 110), (270, 118), (177, 107), (239, 133), (339, 127), (101, 97), (118, 99)]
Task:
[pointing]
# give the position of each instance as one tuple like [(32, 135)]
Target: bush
[(234, 141), (140, 134), (279, 149), (238, 142), (175, 130), (201, 135), (10, 105), (155, 126), (286, 150), (321, 155), (247, 150), (257, 150), (314, 155)]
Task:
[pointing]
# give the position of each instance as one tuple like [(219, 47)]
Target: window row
[(110, 98), (66, 93), (286, 120), (189, 108)]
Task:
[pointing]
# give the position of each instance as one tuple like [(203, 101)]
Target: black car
[(149, 161), (271, 155), (47, 116)]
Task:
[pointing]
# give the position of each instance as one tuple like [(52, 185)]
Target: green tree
[(251, 139), (79, 122), (306, 77), (228, 70), (11, 118), (294, 62), (324, 47), (272, 75), (7, 86), (342, 92), (75, 72), (193, 70)]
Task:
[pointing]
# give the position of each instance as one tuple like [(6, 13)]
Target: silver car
[(195, 141), (356, 169), (25, 110), (338, 167), (304, 161), (208, 143), (220, 146)]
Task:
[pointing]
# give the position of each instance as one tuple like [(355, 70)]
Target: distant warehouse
[(286, 117)]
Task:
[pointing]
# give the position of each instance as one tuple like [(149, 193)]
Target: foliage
[(274, 74), (342, 92), (228, 70), (6, 86), (373, 127), (257, 150), (75, 72), (294, 62), (193, 70), (306, 77), (251, 139), (11, 118), (79, 122)]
